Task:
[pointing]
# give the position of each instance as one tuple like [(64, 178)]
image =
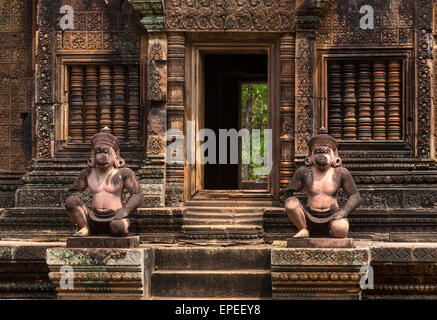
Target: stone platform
[(320, 243), (100, 274), (370, 270), (318, 273), (103, 242)]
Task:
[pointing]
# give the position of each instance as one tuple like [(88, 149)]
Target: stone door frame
[(195, 50)]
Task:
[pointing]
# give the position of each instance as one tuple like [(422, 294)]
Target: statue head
[(105, 150), (322, 151)]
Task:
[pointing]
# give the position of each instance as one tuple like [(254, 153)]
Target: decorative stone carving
[(101, 273), (157, 69), (234, 15), (393, 26), (304, 94), (424, 24), (299, 273), (175, 113), (114, 27)]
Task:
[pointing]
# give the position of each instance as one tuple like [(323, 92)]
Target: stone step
[(223, 228), (231, 203), (224, 221), (224, 215), (208, 283), (211, 209), (213, 258)]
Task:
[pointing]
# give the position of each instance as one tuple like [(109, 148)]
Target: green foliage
[(254, 99)]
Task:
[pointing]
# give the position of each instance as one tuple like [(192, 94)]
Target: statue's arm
[(296, 182), (133, 187), (81, 182), (349, 187)]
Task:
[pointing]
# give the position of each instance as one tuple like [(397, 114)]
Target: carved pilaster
[(44, 82), (157, 95), (305, 33), (287, 56), (175, 114), (424, 20)]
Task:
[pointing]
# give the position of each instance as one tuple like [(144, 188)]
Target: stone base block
[(100, 274), (318, 273), (320, 243), (103, 242)]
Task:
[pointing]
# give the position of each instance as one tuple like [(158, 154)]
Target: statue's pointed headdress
[(105, 136), (322, 139)]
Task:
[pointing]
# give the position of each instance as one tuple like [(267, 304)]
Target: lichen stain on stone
[(92, 257)]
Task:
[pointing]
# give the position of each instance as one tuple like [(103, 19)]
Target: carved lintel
[(241, 15)]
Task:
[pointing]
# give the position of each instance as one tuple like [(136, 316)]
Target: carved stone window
[(104, 95), (365, 99)]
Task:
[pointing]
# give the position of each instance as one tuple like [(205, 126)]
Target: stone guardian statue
[(321, 178), (106, 177)]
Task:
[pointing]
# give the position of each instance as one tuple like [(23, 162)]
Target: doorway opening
[(236, 97)]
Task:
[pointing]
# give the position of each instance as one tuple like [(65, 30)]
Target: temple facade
[(363, 69), (158, 72)]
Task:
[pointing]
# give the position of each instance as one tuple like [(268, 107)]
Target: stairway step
[(231, 221), (224, 283), (208, 215), (223, 227), (224, 209), (231, 203), (212, 258)]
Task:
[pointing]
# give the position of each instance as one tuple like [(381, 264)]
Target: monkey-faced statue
[(106, 177), (321, 178)]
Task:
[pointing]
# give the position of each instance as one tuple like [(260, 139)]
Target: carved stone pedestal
[(103, 242), (318, 273), (320, 243), (100, 274)]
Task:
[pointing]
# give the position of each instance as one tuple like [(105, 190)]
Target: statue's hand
[(121, 213), (339, 215)]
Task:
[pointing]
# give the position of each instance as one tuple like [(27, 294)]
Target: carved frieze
[(393, 24), (233, 15), (113, 26)]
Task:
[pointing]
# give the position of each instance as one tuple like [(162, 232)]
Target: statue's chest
[(325, 182), (104, 183)]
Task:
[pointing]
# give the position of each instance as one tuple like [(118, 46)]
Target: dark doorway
[(224, 75)]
